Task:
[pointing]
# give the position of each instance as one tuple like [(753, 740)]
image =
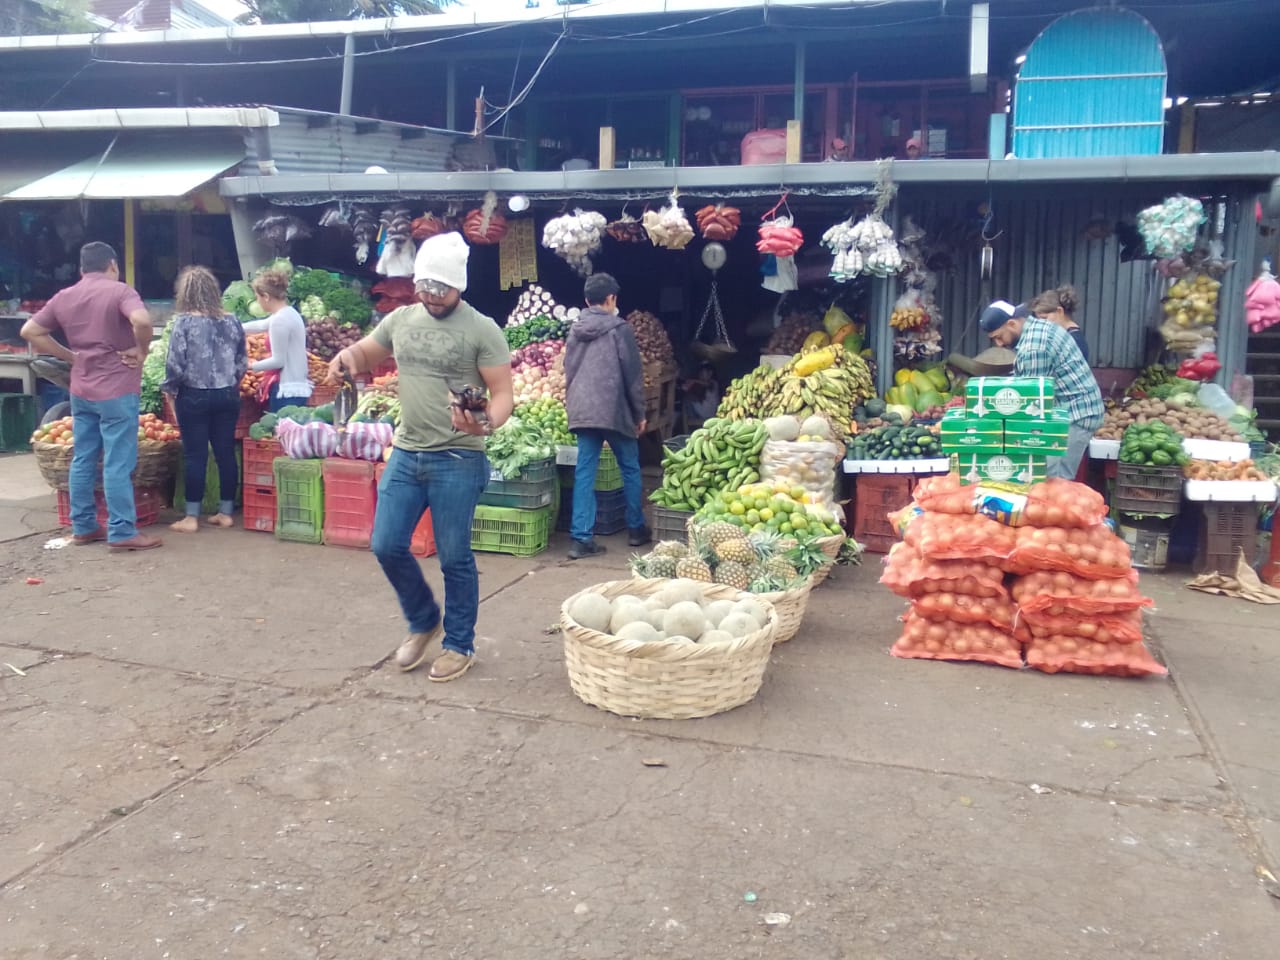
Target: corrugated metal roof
[(1093, 85), (325, 143), (138, 167)]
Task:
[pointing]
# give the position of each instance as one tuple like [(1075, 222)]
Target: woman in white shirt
[(286, 366)]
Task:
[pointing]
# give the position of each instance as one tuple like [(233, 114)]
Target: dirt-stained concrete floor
[(204, 753)]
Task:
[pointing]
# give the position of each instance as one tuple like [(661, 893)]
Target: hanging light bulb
[(518, 203)]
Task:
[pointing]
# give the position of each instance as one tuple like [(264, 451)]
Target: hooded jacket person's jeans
[(627, 451), (450, 483)]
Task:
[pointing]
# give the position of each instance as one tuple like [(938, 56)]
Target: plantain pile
[(826, 381), (720, 455)]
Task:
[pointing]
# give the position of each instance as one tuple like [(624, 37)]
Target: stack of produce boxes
[(1006, 430), (516, 515), (611, 505), (258, 488)]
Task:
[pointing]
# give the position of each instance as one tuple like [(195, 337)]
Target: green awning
[(136, 167)]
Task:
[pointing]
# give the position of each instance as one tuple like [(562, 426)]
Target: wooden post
[(130, 244), (608, 153), (1187, 128), (793, 141)]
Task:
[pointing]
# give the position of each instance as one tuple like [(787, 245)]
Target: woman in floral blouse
[(207, 359)]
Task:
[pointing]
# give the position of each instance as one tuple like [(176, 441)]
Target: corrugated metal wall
[(337, 147), (1044, 241), (1093, 85)]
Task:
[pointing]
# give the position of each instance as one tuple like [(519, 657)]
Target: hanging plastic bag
[(1262, 301)]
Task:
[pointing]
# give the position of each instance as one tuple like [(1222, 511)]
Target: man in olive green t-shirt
[(437, 460)]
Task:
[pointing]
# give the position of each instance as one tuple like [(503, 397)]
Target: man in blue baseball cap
[(1044, 349)]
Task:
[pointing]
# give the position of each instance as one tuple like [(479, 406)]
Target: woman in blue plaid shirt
[(1044, 349)]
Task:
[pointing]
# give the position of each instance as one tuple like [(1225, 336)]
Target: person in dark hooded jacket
[(604, 396)]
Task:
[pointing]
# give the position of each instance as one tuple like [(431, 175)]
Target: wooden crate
[(660, 399)]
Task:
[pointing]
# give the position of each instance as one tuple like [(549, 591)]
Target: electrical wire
[(519, 98)]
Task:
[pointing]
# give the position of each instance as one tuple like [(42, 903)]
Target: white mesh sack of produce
[(804, 463)]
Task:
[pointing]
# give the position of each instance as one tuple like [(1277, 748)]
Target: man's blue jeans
[(449, 482), (106, 429), (627, 450)]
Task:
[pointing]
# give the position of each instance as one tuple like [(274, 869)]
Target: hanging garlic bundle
[(575, 236), (669, 227), (398, 248), (880, 254), (840, 240)]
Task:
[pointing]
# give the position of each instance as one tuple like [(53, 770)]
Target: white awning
[(135, 168)]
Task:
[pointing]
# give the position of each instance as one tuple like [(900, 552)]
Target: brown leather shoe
[(450, 665), (412, 653), (141, 541), (84, 539)]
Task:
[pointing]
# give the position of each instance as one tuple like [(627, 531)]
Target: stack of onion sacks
[(1072, 581)]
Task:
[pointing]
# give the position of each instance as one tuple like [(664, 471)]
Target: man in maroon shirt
[(108, 331)]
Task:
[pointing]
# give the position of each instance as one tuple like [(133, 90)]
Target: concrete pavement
[(207, 754)]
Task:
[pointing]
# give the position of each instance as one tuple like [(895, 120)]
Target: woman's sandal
[(220, 520), (182, 526)]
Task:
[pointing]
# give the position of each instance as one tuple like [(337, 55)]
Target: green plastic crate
[(299, 499), (17, 420), (608, 473), (521, 533), (212, 485)]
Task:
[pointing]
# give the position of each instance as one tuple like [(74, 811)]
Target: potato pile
[(1191, 422), (651, 337), (1222, 470), (678, 613)]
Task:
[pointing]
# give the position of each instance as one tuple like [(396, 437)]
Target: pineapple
[(718, 532), (659, 566), (781, 568), (737, 551), (767, 583), (693, 568), (766, 543), (671, 548), (733, 574)]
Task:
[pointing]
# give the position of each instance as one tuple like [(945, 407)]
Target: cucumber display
[(894, 442)]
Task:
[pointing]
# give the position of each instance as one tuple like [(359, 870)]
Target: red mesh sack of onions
[(997, 612), (1094, 552), (924, 639), (907, 574), (1055, 654), (1063, 503), (1053, 503), (1119, 628), (944, 536), (945, 494), (1055, 593)]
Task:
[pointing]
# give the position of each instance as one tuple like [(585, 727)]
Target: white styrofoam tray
[(566, 456), (937, 465), (1104, 449), (1216, 450), (1230, 491)]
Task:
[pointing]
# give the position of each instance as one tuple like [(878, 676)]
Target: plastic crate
[(611, 512), (147, 504), (875, 497), (212, 484), (1225, 530), (257, 456), (350, 499), (670, 524), (608, 472), (17, 420), (424, 537), (533, 489), (299, 500), (1147, 490), (260, 508), (522, 533)]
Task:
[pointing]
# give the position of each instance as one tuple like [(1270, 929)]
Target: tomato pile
[(1048, 583), (150, 427)]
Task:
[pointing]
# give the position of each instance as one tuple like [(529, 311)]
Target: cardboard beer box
[(961, 433), (1024, 398), (1047, 436), (1011, 470)]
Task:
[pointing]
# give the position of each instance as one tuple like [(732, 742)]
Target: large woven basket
[(831, 547), (790, 606), (54, 463), (663, 680), (157, 462)]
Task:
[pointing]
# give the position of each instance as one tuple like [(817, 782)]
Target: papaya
[(922, 383), (843, 332), (816, 339), (901, 377), (938, 377), (908, 393)]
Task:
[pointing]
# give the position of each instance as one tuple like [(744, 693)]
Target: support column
[(451, 95), (797, 110), (348, 74), (979, 47), (130, 243)]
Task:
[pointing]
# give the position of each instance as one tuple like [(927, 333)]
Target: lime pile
[(778, 507), (550, 416)]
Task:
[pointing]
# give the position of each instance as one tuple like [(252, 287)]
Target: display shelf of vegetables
[(537, 330), (909, 448)]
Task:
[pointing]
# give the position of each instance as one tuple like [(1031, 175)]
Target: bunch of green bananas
[(1152, 376), (745, 395), (721, 455)]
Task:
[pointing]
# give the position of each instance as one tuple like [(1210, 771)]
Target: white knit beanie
[(443, 258)]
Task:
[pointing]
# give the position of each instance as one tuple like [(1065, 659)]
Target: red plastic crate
[(147, 503), (424, 537), (876, 496), (258, 456), (259, 511), (350, 498)]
